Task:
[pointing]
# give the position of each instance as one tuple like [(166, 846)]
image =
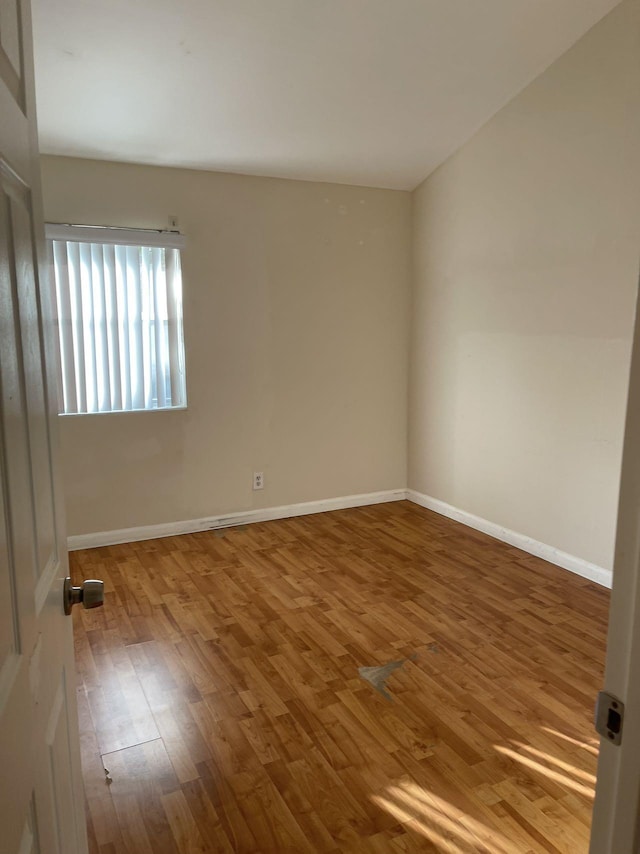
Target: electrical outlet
[(258, 480)]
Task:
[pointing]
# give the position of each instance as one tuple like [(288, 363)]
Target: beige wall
[(526, 251), (526, 246), (296, 327)]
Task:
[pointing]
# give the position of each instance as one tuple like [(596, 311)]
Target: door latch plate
[(609, 717)]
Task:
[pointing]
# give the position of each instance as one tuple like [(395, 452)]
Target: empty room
[(319, 426)]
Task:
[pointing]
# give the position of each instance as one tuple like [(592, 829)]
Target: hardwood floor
[(219, 686)]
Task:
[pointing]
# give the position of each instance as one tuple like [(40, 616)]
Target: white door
[(41, 796), (616, 813)]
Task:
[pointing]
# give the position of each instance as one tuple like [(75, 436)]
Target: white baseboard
[(228, 520), (574, 564)]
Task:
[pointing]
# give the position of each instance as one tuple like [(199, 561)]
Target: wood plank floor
[(219, 687)]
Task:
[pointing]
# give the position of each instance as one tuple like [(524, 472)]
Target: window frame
[(174, 344)]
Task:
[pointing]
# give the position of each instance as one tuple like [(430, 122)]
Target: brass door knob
[(90, 593)]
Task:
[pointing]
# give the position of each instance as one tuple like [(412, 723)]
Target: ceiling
[(369, 92)]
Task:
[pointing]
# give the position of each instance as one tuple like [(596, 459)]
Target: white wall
[(526, 256), (296, 327)]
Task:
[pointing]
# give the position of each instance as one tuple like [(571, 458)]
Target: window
[(119, 302)]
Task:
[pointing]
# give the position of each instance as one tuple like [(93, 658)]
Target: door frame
[(616, 813)]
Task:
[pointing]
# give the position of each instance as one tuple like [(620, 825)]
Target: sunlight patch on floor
[(563, 779), (446, 826), (591, 746), (552, 760)]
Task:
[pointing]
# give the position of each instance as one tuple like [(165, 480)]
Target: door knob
[(90, 593)]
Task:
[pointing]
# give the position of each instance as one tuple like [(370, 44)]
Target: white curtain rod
[(114, 234)]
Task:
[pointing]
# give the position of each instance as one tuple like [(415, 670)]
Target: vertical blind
[(119, 303)]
